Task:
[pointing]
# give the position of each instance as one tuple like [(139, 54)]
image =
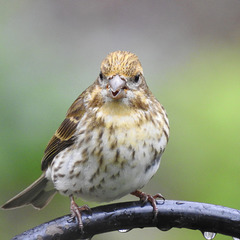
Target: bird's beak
[(116, 85)]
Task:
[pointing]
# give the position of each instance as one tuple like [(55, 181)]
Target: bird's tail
[(38, 194)]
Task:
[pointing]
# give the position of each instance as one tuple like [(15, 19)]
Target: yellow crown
[(122, 63)]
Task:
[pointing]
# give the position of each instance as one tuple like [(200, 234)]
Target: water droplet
[(234, 238), (124, 230), (209, 235), (179, 203), (165, 228)]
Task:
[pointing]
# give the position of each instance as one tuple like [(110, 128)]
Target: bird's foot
[(76, 211), (149, 198)]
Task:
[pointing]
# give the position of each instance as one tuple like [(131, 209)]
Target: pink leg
[(148, 198), (76, 211)]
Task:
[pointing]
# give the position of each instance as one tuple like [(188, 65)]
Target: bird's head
[(120, 75)]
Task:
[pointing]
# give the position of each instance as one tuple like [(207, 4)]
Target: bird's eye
[(136, 78), (101, 76)]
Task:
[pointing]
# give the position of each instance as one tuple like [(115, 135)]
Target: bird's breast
[(116, 147)]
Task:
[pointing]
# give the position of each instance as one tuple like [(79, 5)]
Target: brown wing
[(64, 136)]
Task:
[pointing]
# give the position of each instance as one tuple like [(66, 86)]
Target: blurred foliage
[(190, 52), (201, 162)]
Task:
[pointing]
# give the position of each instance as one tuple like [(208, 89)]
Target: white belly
[(110, 161)]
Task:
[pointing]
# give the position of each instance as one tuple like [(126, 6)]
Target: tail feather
[(38, 194)]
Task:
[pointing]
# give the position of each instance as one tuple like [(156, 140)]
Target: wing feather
[(65, 135)]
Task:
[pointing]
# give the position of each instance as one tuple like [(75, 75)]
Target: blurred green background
[(190, 51)]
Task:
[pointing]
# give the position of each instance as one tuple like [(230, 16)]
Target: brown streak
[(117, 155), (165, 134)]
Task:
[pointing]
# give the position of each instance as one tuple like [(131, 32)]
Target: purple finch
[(109, 145)]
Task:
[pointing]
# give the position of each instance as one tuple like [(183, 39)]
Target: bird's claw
[(76, 212), (144, 198)]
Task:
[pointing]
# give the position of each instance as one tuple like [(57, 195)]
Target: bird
[(109, 144)]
